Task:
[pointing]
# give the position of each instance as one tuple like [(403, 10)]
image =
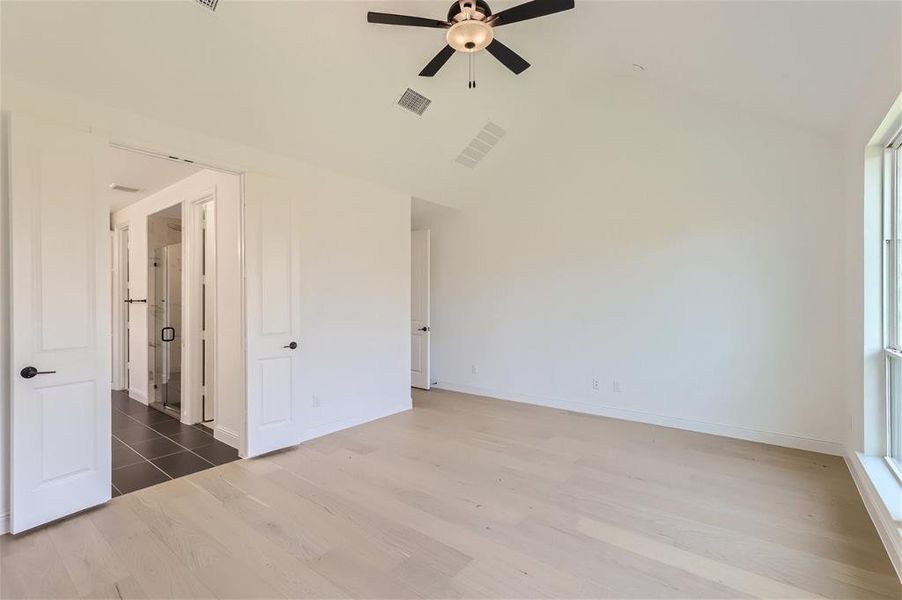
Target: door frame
[(120, 308), (427, 323), (189, 409), (197, 380)]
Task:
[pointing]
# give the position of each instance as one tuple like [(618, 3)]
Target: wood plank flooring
[(466, 497)]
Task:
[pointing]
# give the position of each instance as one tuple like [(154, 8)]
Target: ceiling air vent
[(480, 145), (211, 4), (414, 102), (123, 188)]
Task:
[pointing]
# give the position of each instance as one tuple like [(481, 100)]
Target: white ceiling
[(313, 80), (145, 173)]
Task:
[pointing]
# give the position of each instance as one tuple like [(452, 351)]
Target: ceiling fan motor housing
[(470, 30)]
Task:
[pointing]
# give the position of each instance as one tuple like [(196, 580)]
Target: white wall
[(354, 276), (228, 356), (357, 291), (864, 361), (688, 251)]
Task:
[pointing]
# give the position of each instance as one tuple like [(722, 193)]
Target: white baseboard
[(333, 426), (871, 476), (137, 395), (627, 414), (226, 436), (4, 524)]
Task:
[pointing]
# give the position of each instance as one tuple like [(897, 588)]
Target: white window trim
[(891, 314)]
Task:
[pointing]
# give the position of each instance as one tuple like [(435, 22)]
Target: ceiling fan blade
[(508, 57), (390, 19), (530, 10), (438, 62)]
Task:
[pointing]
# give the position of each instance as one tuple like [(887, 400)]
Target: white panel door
[(60, 323), (271, 255), (419, 309)]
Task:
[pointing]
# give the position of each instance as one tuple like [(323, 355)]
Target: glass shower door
[(166, 341)]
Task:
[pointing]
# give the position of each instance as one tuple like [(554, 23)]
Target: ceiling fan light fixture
[(470, 35)]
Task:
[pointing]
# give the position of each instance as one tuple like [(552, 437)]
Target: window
[(893, 290)]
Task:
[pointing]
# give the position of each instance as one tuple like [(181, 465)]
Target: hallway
[(150, 447)]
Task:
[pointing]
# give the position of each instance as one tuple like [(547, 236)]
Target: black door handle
[(423, 329), (130, 301), (29, 372), (163, 332), (291, 346)]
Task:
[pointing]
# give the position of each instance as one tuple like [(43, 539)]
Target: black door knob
[(29, 372), (424, 329), (291, 346)]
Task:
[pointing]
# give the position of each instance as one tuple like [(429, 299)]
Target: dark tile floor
[(150, 447)]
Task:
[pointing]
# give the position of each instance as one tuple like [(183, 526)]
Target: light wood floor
[(467, 497)]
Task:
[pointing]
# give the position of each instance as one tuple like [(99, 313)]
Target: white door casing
[(60, 322), (273, 315), (199, 283), (120, 308), (420, 333)]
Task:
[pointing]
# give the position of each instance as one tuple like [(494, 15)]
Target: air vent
[(480, 145), (211, 4), (414, 102), (123, 188)]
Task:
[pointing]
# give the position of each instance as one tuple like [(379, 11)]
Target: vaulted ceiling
[(314, 81)]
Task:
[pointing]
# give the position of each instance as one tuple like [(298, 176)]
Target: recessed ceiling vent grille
[(123, 188), (211, 4), (480, 145), (414, 102)]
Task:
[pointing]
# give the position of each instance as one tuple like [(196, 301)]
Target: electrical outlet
[(616, 387), (315, 400), (475, 369), (596, 385)]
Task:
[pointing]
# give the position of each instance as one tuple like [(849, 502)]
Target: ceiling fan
[(471, 28)]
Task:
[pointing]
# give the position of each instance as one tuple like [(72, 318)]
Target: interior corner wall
[(863, 246), (683, 257), (228, 355)]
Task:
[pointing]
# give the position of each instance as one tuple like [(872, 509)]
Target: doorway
[(164, 421), (65, 197)]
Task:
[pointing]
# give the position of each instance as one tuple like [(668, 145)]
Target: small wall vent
[(414, 102), (123, 188), (211, 4), (480, 145)]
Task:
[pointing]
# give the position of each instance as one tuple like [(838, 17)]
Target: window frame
[(892, 211)]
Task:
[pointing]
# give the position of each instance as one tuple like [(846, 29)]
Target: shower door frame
[(167, 319)]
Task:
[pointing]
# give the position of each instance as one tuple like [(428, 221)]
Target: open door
[(273, 315), (419, 309), (60, 321)]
